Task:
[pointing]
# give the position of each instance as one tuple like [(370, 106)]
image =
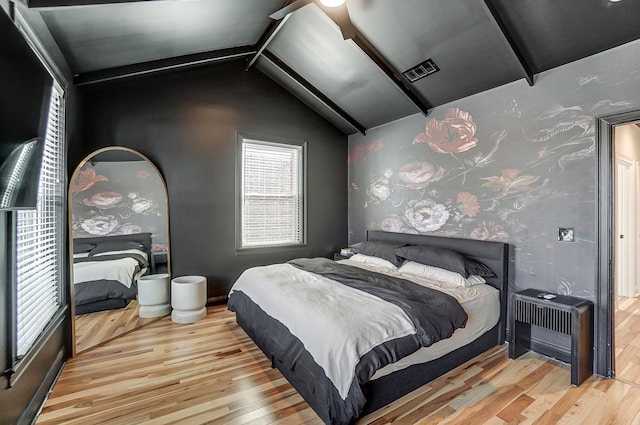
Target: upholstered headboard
[(493, 254)]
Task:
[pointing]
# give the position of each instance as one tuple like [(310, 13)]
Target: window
[(39, 239), (271, 198)]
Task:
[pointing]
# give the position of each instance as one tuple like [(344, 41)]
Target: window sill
[(270, 249)]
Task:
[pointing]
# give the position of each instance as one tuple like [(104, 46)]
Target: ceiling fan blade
[(280, 14)]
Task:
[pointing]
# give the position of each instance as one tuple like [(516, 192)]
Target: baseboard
[(220, 299), (30, 414)]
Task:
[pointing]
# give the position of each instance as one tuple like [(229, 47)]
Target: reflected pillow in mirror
[(109, 246), (81, 247)]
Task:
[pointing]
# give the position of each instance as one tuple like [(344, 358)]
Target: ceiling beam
[(269, 34), (495, 17), (177, 62), (314, 91), (289, 8), (36, 4), (384, 65)]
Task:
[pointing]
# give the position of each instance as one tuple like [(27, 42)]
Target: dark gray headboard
[(493, 254), (142, 238)]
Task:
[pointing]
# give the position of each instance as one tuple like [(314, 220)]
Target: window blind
[(39, 239), (272, 201)]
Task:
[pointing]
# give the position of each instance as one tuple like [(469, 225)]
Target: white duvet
[(320, 313), (123, 270)]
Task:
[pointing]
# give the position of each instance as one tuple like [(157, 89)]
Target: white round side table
[(153, 295), (188, 299)]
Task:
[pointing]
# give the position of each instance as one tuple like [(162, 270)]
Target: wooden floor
[(210, 372), (627, 340), (93, 329)]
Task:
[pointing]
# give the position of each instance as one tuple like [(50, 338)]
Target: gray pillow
[(445, 259), (115, 246), (385, 250)]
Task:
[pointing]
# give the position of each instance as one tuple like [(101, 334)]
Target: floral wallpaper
[(116, 198), (512, 164)]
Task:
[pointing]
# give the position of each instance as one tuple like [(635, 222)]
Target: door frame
[(605, 239)]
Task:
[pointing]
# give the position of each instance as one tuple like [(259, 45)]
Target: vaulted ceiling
[(347, 63)]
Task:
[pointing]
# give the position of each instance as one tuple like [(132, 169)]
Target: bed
[(394, 351), (105, 270)]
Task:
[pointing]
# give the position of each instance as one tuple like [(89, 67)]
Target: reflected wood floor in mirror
[(211, 372), (93, 329), (627, 339)]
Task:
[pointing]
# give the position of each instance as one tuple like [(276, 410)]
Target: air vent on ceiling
[(421, 70)]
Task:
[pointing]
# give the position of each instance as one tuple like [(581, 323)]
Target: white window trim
[(269, 140)]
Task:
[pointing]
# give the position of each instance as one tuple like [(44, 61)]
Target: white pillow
[(374, 261), (440, 275)]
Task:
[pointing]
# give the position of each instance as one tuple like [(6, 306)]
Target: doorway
[(612, 223), (626, 289)]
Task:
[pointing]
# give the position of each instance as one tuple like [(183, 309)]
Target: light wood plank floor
[(93, 329), (210, 372), (627, 340)]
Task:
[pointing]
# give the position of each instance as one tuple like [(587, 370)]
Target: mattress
[(480, 302)]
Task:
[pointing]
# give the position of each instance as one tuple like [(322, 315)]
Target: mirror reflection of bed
[(119, 233)]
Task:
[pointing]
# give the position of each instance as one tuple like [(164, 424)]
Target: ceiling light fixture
[(332, 3)]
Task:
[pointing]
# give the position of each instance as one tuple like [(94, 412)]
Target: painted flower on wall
[(103, 200), (490, 231), (99, 225), (510, 181), (454, 134), (379, 190), (128, 229), (360, 151), (118, 198), (468, 204), (396, 224), (419, 174), (141, 204), (86, 179), (426, 215)]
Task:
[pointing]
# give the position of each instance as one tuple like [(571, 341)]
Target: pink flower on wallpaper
[(454, 134), (419, 174), (490, 231), (360, 151), (86, 179), (103, 200)]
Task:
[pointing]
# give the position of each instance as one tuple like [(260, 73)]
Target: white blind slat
[(39, 239)]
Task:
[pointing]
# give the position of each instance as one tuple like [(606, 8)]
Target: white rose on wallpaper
[(396, 224), (99, 225), (419, 174), (426, 215), (141, 205), (129, 229), (379, 190)]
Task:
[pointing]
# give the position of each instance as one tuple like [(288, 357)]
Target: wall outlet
[(566, 234)]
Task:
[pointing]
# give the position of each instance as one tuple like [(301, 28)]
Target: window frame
[(19, 365), (260, 138)]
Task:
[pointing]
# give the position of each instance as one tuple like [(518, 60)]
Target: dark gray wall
[(24, 88), (186, 123), (518, 163)]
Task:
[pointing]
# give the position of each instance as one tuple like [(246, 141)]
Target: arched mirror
[(119, 237)]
